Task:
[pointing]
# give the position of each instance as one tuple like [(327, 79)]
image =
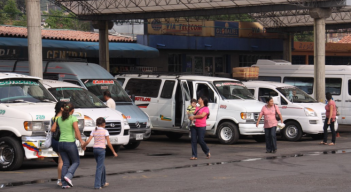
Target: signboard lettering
[(226, 29)]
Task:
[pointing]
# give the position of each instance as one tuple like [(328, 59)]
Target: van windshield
[(23, 90), (233, 90), (81, 98), (296, 95), (99, 86)]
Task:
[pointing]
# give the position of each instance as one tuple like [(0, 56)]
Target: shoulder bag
[(57, 133), (277, 117)]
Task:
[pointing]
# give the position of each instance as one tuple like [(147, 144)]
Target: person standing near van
[(54, 143), (330, 116), (190, 111), (101, 137), (109, 101), (67, 146), (270, 124), (198, 132)]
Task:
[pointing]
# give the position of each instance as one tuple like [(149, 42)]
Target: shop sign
[(226, 29), (62, 54), (255, 30)]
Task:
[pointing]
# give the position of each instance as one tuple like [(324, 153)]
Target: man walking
[(109, 101)]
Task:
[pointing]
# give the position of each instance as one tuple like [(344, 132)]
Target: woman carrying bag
[(271, 117), (330, 117)]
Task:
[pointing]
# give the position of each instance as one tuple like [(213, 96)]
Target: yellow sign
[(56, 54), (255, 30)]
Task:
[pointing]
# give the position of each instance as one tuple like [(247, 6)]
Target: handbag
[(277, 117), (57, 133)]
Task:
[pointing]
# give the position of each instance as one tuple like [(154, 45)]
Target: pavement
[(160, 164)]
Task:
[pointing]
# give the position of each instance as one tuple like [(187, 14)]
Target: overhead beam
[(307, 28)]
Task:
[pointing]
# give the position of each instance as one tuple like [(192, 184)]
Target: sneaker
[(68, 181), (66, 187), (59, 182), (106, 184)]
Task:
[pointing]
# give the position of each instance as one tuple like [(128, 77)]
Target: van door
[(345, 109), (334, 86), (186, 102), (206, 89), (166, 105)]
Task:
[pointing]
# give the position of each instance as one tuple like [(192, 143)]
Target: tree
[(11, 9), (58, 19), (306, 36)]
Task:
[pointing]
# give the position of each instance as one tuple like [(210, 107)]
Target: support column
[(287, 45), (35, 49), (104, 56), (319, 15)]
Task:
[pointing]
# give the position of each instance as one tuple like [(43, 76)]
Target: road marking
[(144, 176)]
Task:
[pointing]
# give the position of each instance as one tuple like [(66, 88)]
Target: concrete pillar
[(104, 56), (287, 45), (35, 52), (319, 15)]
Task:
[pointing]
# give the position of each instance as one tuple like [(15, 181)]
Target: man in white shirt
[(109, 101)]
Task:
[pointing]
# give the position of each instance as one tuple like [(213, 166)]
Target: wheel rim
[(226, 133), (6, 154), (291, 131)]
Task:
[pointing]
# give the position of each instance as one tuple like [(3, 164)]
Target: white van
[(92, 107), (233, 110), (26, 109), (97, 80), (301, 113), (337, 81)]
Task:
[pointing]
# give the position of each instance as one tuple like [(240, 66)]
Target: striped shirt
[(99, 137)]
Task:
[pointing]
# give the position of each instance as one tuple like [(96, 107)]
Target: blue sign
[(226, 29)]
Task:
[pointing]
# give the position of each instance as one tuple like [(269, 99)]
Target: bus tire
[(228, 133), (11, 154), (132, 145), (174, 136), (292, 131)]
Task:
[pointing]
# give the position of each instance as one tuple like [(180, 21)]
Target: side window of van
[(121, 81), (143, 87), (333, 85), (187, 92), (252, 91), (167, 90), (72, 81), (265, 93), (349, 85), (204, 89), (304, 83), (269, 78), (283, 101)]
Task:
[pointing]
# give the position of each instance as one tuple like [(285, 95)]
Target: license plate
[(139, 136), (114, 140)]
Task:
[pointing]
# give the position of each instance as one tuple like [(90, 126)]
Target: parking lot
[(163, 165)]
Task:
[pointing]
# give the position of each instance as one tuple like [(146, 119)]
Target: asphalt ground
[(163, 165)]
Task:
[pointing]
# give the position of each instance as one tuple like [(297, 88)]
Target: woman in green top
[(67, 145)]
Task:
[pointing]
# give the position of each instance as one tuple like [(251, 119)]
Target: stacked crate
[(245, 73)]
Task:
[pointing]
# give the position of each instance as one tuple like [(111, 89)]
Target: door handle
[(347, 100), (338, 100)]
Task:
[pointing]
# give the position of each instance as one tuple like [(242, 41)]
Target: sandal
[(208, 155), (331, 144), (322, 143), (193, 158)]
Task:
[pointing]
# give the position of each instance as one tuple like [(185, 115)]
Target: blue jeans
[(197, 136), (271, 138), (69, 154), (332, 129), (100, 175)]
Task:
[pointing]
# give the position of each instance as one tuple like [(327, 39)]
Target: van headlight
[(247, 116), (88, 122), (36, 126), (310, 112), (125, 121)]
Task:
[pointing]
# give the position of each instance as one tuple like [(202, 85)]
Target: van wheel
[(174, 136), (11, 154), (259, 138), (228, 133), (132, 145), (317, 136), (292, 131)]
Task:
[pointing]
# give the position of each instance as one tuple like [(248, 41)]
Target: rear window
[(270, 78), (304, 83), (333, 86), (167, 90), (143, 87)]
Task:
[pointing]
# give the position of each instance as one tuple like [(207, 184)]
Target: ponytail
[(67, 108)]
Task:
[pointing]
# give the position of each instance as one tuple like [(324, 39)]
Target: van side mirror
[(133, 98), (276, 100)]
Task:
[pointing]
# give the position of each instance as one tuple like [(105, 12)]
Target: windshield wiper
[(238, 96), (47, 100), (20, 101), (252, 97)]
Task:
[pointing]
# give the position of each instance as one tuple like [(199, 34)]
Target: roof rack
[(157, 73)]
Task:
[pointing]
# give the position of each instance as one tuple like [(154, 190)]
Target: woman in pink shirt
[(330, 117), (270, 124), (198, 132)]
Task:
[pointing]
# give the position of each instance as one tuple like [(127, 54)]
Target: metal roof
[(288, 15)]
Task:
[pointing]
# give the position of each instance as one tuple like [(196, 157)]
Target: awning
[(18, 47)]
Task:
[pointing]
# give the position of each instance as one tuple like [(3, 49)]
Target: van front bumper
[(314, 126), (134, 134), (251, 129)]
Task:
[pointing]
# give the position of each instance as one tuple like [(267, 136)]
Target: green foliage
[(234, 17), (306, 36), (58, 19), (11, 9)]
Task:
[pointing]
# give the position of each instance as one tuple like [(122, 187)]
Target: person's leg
[(193, 141), (332, 129), (325, 129), (267, 136), (65, 162), (103, 175), (99, 155), (274, 138), (59, 168), (72, 152), (201, 139)]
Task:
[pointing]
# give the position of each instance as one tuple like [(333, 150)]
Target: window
[(333, 86), (349, 87), (174, 63), (252, 91), (167, 90), (283, 101), (304, 83), (265, 93), (219, 64), (186, 90), (204, 90), (143, 87), (191, 88), (268, 78), (73, 82), (51, 76), (298, 59), (121, 81), (248, 60)]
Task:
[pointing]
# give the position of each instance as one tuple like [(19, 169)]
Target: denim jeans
[(197, 136), (100, 175), (271, 138), (69, 154), (332, 129)]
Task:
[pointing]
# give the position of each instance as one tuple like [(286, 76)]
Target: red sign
[(148, 99), (223, 107), (103, 82)]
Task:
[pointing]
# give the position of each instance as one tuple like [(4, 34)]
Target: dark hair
[(67, 108), (107, 93), (269, 98), (204, 98), (99, 122), (328, 96), (193, 101), (58, 107)]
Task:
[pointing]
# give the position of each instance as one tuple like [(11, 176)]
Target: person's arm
[(110, 146), (200, 116), (87, 142), (77, 132), (280, 114), (330, 113), (53, 127), (259, 119)]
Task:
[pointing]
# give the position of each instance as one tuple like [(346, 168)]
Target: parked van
[(337, 81), (233, 110), (92, 108), (97, 80), (26, 109), (301, 113)]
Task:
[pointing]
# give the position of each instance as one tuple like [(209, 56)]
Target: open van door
[(186, 102), (345, 108)]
